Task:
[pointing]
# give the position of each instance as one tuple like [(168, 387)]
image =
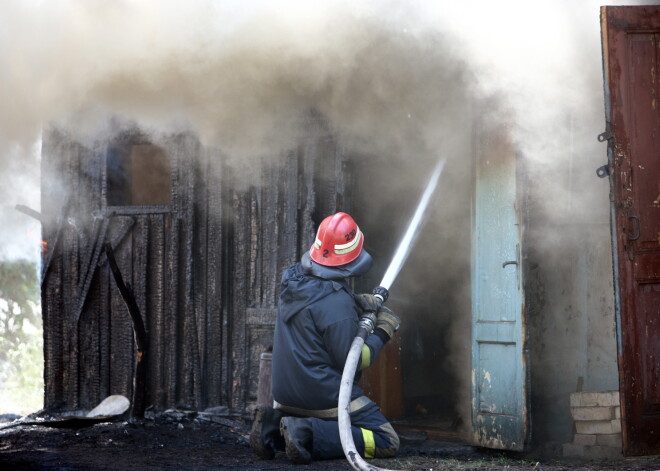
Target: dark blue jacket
[(316, 323)]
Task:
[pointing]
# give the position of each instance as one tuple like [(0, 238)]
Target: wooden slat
[(228, 277), (267, 242), (105, 321), (200, 213), (241, 217), (89, 349), (71, 273), (187, 149), (170, 331), (306, 223), (55, 150), (156, 391), (287, 235), (121, 345), (141, 275), (215, 362)]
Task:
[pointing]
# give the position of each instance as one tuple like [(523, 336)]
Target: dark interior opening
[(137, 174)]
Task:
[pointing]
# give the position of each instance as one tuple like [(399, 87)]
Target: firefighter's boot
[(297, 435), (265, 437)]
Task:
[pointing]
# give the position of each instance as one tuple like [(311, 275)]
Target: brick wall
[(597, 425)]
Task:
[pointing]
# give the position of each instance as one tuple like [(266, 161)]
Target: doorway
[(422, 378)]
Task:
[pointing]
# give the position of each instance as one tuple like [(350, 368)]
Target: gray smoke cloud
[(393, 78), (241, 77)]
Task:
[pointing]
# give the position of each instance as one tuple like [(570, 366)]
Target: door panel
[(499, 392), (631, 39)]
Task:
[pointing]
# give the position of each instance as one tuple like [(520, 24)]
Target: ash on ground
[(217, 438)]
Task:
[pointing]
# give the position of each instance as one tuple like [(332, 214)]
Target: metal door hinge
[(607, 135), (603, 171)]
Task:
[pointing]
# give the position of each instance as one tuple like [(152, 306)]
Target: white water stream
[(403, 250)]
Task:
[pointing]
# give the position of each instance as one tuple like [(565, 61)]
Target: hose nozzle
[(381, 293)]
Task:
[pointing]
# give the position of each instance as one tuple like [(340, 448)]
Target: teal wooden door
[(499, 392)]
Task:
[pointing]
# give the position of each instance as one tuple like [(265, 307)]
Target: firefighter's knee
[(389, 443)]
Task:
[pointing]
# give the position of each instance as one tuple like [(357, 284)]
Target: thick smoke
[(393, 79), (242, 78)]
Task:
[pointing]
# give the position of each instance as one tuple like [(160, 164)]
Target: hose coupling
[(368, 321)]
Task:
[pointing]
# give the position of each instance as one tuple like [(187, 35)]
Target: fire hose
[(367, 324)]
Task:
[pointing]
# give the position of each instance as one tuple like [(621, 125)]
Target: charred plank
[(140, 336)]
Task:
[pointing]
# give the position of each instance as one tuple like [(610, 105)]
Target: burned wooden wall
[(204, 262)]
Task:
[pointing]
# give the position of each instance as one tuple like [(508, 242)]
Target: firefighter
[(316, 323)]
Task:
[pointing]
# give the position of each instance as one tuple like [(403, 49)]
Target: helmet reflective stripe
[(317, 243), (352, 245)]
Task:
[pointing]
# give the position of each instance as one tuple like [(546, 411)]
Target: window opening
[(137, 175)]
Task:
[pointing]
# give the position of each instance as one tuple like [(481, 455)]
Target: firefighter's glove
[(367, 302), (387, 321)]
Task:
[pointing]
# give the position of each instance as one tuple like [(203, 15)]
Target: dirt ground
[(196, 442)]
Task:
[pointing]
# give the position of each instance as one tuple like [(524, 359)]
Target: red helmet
[(338, 241)]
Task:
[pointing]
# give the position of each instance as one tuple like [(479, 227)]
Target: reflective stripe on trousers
[(354, 406), (373, 435)]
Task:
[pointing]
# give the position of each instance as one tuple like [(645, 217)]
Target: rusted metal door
[(499, 392), (631, 42)]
